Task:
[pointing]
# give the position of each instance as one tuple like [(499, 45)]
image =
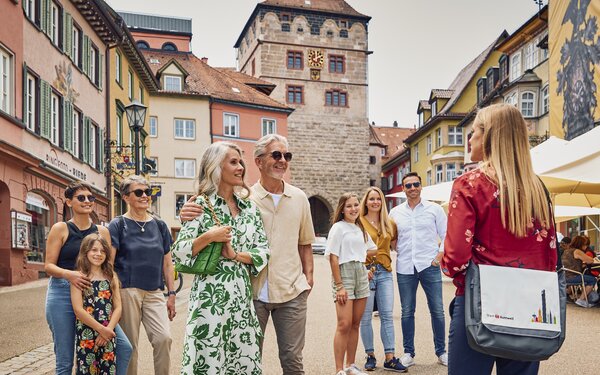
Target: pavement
[(26, 343)]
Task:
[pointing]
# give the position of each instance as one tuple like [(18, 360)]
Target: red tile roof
[(204, 80), (329, 6), (392, 137), (424, 104), (245, 78), (442, 93)]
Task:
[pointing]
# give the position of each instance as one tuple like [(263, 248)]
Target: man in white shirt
[(421, 231)]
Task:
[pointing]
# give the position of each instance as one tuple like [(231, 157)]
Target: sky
[(418, 45)]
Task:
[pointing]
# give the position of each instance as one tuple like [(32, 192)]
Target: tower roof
[(330, 6)]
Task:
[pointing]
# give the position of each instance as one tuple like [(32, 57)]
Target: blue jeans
[(382, 289), (464, 360), (431, 280), (61, 320)]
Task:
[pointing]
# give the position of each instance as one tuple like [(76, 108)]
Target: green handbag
[(207, 260)]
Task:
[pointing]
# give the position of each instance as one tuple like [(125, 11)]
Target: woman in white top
[(347, 247)]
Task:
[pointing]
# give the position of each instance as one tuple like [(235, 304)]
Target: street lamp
[(136, 114)]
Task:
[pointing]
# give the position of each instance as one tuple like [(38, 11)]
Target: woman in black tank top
[(62, 248)]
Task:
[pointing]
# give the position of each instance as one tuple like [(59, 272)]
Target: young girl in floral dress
[(98, 309)]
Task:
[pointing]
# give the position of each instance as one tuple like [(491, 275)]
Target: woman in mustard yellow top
[(375, 219)]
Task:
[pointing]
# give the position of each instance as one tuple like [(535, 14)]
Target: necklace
[(138, 224)]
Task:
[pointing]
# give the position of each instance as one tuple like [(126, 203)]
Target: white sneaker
[(341, 372), (407, 360), (584, 303), (443, 359), (354, 370)]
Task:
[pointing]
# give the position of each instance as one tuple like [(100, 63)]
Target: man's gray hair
[(128, 181), (262, 144)]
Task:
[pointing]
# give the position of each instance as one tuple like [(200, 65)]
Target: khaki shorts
[(355, 279)]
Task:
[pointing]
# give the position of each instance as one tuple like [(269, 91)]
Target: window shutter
[(45, 91), (86, 139), (100, 66), (85, 54), (48, 15), (68, 35), (44, 15), (24, 91), (68, 128), (101, 145)]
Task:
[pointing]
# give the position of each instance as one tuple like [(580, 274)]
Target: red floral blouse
[(475, 232)]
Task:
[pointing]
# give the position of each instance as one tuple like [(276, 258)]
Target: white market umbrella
[(436, 193)]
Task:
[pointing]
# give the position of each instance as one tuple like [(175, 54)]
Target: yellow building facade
[(437, 146)]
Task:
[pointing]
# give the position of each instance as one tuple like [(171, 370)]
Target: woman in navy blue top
[(141, 251), (62, 248)]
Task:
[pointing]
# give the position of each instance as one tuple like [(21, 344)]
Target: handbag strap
[(212, 210), (559, 264)]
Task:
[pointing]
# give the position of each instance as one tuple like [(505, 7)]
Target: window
[(30, 102), (118, 67), (503, 68), (76, 120), (6, 77), (130, 82), (172, 83), (168, 46), (295, 94), (185, 129), (455, 136), (515, 66), (429, 144), (54, 118), (94, 64), (416, 151), (545, 100), (428, 178), (142, 45), (343, 24), (439, 173), (285, 17), (185, 168), (527, 104), (438, 136), (180, 200), (294, 60), (231, 124), (421, 117), (268, 126), (119, 135), (372, 160), (55, 23), (399, 177), (76, 48), (434, 108), (450, 172), (30, 7), (383, 151), (153, 126), (336, 98), (390, 181), (528, 56), (337, 64), (511, 99), (536, 51), (93, 145)]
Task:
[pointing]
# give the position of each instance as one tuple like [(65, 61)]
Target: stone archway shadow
[(320, 211)]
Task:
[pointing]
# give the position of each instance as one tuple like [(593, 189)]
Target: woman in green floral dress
[(222, 333)]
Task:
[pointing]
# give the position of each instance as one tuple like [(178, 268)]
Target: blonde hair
[(209, 176), (338, 214), (384, 219), (506, 160)]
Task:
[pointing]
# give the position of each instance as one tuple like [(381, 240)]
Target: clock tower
[(316, 52)]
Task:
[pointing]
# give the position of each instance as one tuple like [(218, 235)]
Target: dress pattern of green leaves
[(222, 332), (91, 359)]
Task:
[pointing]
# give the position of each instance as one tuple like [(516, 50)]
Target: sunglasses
[(139, 192), (277, 155), (411, 184), (82, 198)]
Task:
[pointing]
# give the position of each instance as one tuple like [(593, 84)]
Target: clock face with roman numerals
[(316, 59)]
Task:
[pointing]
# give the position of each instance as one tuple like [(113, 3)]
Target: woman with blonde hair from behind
[(374, 218), (495, 212)]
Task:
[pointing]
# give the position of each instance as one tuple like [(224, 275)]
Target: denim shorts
[(355, 279)]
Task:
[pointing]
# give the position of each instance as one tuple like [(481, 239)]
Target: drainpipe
[(210, 121)]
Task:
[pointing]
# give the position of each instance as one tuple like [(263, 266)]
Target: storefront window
[(38, 207)]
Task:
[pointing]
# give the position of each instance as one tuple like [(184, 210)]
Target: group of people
[(582, 267), (266, 265)]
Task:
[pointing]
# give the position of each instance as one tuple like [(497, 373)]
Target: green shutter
[(100, 70), (68, 35), (45, 91), (101, 145), (44, 15), (68, 126), (86, 139), (85, 55)]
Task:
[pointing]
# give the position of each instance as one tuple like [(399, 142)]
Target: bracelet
[(171, 293)]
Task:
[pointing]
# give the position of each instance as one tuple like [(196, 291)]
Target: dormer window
[(421, 118), (168, 46), (343, 24), (172, 83), (434, 108), (503, 67)]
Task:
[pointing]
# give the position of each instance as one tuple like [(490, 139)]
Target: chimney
[(395, 124), (204, 60)]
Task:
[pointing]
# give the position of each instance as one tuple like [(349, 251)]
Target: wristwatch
[(171, 293)]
